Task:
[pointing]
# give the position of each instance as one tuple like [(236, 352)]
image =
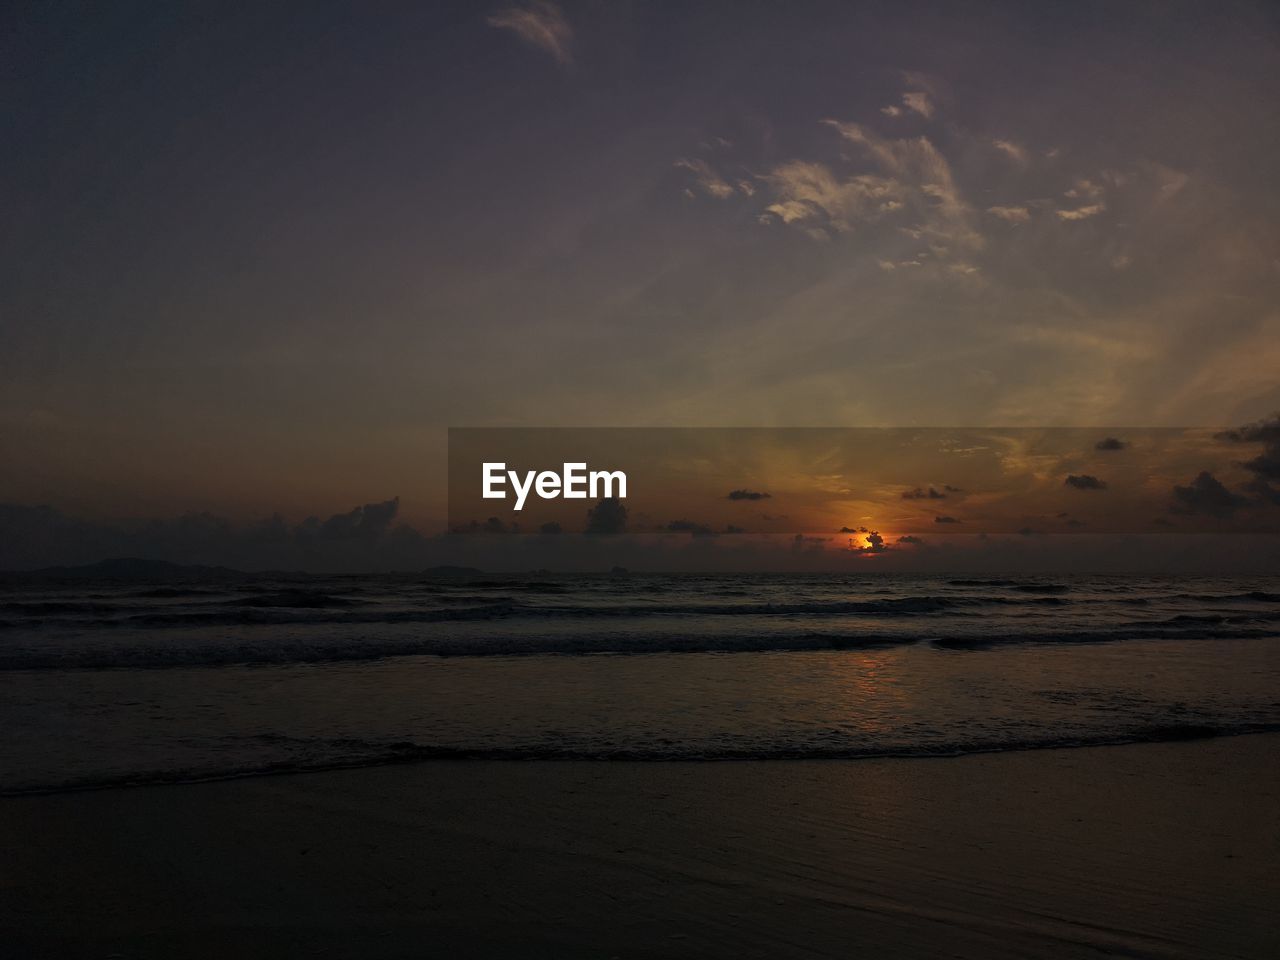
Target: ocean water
[(105, 682)]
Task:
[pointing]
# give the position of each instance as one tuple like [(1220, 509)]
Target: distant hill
[(129, 568)]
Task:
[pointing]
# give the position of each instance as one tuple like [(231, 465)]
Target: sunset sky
[(259, 259)]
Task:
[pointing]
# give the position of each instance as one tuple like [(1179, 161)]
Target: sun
[(871, 542)]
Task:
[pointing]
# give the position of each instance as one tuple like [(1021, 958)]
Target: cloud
[(940, 518), (1015, 152), (1263, 491), (1081, 213), (708, 181), (368, 521), (366, 537), (691, 528), (906, 181), (807, 193), (919, 102), (1084, 481), (491, 526), (1206, 495), (1110, 443), (747, 495), (917, 176), (1265, 466), (875, 543), (912, 101), (1262, 431), (1084, 190), (919, 494), (540, 24), (910, 538), (1014, 215), (607, 517), (888, 265), (802, 543)]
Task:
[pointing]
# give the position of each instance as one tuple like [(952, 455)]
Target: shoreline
[(1165, 849), (414, 754)]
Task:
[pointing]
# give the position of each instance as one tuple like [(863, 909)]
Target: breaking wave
[(345, 754)]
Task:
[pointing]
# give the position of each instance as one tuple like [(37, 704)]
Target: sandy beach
[(1155, 850)]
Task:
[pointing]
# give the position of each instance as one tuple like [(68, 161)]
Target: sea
[(108, 681)]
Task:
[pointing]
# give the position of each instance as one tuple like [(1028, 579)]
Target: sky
[(867, 486), (259, 258)]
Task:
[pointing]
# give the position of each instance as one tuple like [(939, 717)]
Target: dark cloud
[(747, 495), (36, 536), (944, 519), (1206, 495), (875, 543), (1264, 492), (853, 530), (365, 522), (802, 543), (362, 538), (911, 538), (1083, 481), (930, 494), (1266, 464), (1110, 443), (731, 529), (1266, 468), (691, 528), (607, 517), (1263, 431), (491, 526)]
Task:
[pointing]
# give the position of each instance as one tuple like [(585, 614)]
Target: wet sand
[(1156, 850)]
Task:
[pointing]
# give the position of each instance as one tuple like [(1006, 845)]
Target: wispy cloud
[(930, 187), (708, 181), (905, 180), (810, 193), (541, 24), (1085, 190), (919, 102), (1013, 215), (1014, 151), (1081, 213), (917, 98)]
